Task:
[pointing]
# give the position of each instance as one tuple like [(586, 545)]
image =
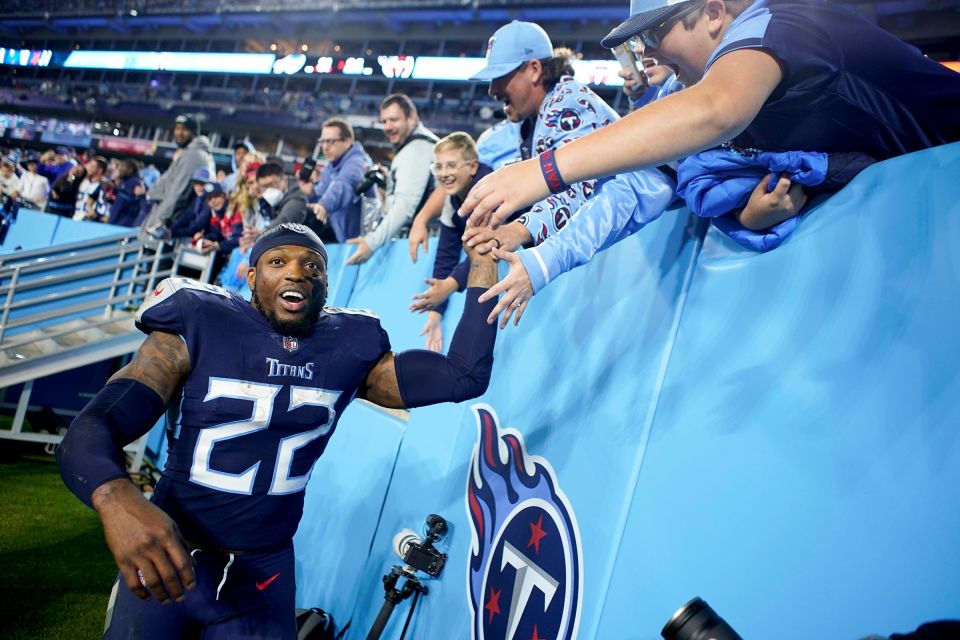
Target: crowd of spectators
[(755, 194)]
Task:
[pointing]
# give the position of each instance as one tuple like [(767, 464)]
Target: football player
[(257, 389)]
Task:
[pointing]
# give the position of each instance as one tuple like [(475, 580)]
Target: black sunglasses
[(651, 37)]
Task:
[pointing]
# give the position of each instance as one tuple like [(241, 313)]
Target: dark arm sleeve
[(449, 247), (425, 377), (460, 273), (91, 452)]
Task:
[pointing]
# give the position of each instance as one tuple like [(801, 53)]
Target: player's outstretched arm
[(418, 377), (145, 542)]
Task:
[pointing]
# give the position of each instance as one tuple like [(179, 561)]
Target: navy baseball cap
[(213, 189), (510, 46), (643, 15)]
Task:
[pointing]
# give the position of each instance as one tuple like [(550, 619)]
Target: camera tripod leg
[(394, 596), (381, 622)]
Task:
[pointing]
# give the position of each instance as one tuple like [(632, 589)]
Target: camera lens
[(697, 621)]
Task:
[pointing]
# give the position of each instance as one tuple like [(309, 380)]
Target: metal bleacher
[(67, 306)]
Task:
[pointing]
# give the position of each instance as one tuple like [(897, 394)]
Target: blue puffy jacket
[(714, 183)]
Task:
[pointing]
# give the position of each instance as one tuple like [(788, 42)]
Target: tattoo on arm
[(161, 363), (483, 272)]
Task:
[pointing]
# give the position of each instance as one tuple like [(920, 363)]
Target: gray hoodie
[(169, 195), (409, 184)]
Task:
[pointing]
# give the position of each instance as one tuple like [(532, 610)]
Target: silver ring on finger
[(516, 305), (143, 581)]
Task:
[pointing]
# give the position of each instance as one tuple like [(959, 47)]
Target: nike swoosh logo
[(266, 583)]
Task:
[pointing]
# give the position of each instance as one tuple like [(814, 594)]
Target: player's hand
[(419, 237), (146, 544), (433, 329), (767, 208), (319, 211), (439, 291), (508, 237), (363, 252), (515, 287), (496, 196)]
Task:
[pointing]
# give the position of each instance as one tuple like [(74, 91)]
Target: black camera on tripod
[(419, 553), (372, 176)]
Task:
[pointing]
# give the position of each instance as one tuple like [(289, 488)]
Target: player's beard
[(298, 327)]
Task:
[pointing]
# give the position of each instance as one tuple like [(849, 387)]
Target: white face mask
[(272, 196)]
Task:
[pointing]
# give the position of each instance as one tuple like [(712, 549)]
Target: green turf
[(55, 569)]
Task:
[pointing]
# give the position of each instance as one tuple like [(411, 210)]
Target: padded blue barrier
[(340, 277), (32, 230), (36, 230), (560, 381), (804, 463), (773, 432)]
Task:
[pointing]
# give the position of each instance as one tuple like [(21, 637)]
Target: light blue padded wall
[(802, 462), (803, 470), (578, 385)]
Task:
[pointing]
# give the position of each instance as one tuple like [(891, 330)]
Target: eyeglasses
[(651, 37), (328, 141), (448, 167)]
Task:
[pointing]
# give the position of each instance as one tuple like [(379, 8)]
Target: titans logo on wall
[(525, 574)]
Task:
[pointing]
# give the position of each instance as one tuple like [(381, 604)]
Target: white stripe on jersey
[(170, 286), (358, 312)]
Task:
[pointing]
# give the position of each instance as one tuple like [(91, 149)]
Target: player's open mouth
[(293, 301)]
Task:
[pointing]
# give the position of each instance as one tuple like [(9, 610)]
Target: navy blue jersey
[(255, 411), (847, 85)]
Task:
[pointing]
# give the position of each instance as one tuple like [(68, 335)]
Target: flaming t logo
[(525, 568)]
